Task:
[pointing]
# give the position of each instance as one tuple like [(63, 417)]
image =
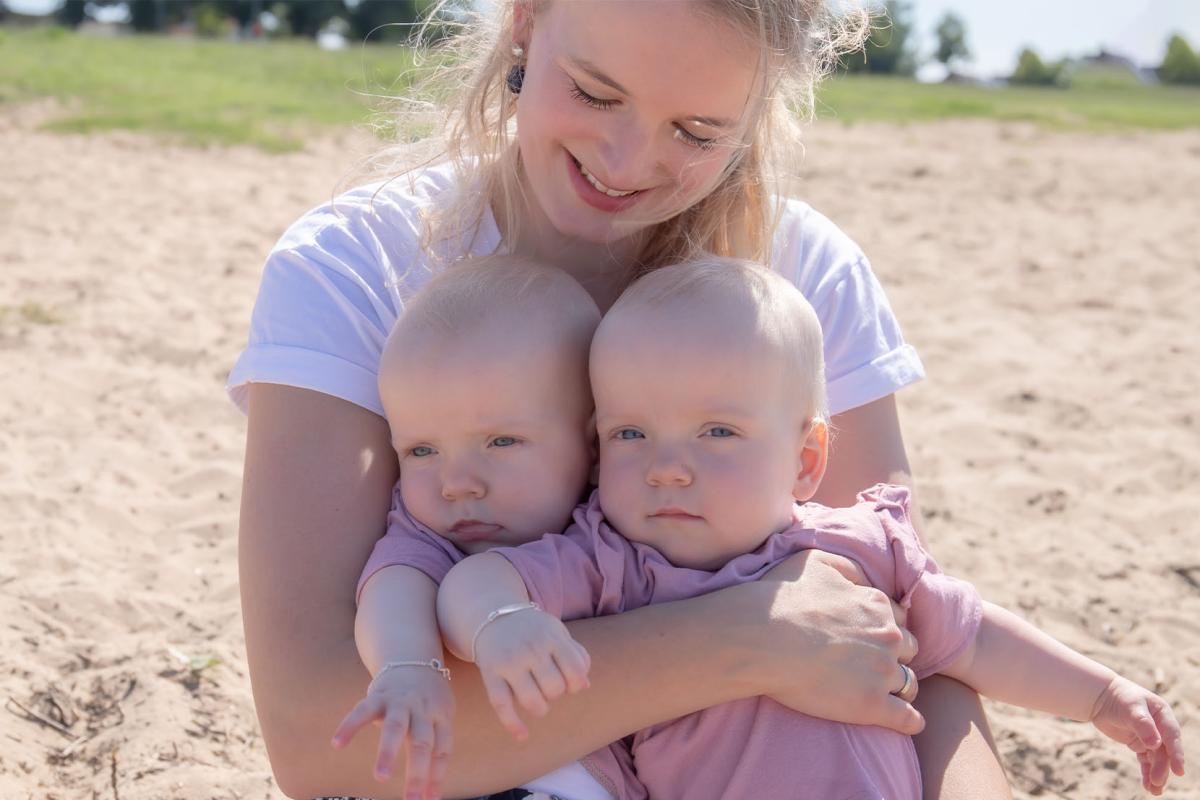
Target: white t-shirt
[(334, 285)]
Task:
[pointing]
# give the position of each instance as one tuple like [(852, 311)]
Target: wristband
[(434, 664), (503, 611)]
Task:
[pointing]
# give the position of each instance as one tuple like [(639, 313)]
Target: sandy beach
[(1048, 279)]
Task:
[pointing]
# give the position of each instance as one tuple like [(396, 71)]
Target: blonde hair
[(783, 322), (799, 42)]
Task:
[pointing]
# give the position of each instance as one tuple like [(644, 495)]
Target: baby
[(707, 379), (484, 382)]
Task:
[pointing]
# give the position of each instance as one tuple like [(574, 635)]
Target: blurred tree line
[(293, 17), (890, 50)]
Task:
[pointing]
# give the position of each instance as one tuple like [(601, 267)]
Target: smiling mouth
[(597, 185)]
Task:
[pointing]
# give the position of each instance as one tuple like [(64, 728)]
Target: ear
[(812, 451), (522, 24)]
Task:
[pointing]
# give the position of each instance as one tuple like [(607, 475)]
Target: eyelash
[(603, 105), (585, 98)]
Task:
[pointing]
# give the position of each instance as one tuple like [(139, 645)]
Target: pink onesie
[(753, 747), (757, 747)]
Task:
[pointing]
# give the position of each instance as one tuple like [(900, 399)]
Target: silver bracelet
[(434, 664), (503, 611)]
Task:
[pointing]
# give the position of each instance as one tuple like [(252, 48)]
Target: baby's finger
[(1144, 764), (420, 753), (1168, 729), (391, 739), (549, 679), (365, 712), (1144, 727), (1159, 768), (574, 663), (502, 702), (443, 745), (528, 694)]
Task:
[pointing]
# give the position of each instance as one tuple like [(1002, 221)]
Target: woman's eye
[(719, 432), (420, 451), (695, 141), (585, 98), (628, 434), (504, 441)]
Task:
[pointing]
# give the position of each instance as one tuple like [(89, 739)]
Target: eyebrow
[(597, 74)]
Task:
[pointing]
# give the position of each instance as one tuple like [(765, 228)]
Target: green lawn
[(1090, 103), (272, 94), (207, 92)]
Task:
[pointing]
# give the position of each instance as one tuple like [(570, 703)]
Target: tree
[(952, 39), (1032, 71), (374, 20), (72, 13), (1180, 64), (888, 50), (307, 18), (146, 16)]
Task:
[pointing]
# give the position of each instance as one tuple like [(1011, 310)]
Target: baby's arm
[(1012, 661), (409, 695), (522, 652)]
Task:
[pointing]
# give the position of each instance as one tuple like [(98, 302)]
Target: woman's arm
[(318, 479), (957, 754)]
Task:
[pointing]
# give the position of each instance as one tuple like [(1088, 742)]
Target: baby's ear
[(812, 451)]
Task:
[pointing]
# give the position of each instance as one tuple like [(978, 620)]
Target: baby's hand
[(414, 706), (1142, 721), (531, 657)]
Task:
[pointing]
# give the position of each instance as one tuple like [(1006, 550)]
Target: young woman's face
[(630, 111)]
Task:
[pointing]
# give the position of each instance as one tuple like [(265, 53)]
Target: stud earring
[(516, 75)]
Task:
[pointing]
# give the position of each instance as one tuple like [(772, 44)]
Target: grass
[(271, 95), (1091, 104), (204, 92)]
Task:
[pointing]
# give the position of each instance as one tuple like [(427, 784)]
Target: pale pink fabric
[(410, 543), (756, 747)]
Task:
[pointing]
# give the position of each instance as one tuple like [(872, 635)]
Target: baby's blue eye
[(628, 434), (720, 433), (504, 441), (421, 450)]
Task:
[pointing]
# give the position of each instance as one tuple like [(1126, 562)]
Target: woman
[(645, 130)]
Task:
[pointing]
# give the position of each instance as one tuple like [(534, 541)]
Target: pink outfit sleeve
[(944, 612), (586, 571), (409, 543)]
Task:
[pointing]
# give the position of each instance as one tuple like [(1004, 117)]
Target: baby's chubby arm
[(1012, 661), (396, 632), (526, 655)]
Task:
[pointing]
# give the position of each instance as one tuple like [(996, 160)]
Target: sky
[(998, 29)]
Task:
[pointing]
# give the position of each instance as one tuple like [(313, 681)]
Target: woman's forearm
[(648, 666)]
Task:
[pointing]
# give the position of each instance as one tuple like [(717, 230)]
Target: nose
[(461, 482), (628, 156), (668, 468)]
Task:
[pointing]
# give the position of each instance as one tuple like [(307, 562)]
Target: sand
[(1048, 279)]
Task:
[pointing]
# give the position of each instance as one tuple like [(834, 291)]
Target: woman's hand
[(832, 645)]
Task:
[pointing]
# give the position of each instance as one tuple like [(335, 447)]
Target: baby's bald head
[(493, 310), (730, 305)]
